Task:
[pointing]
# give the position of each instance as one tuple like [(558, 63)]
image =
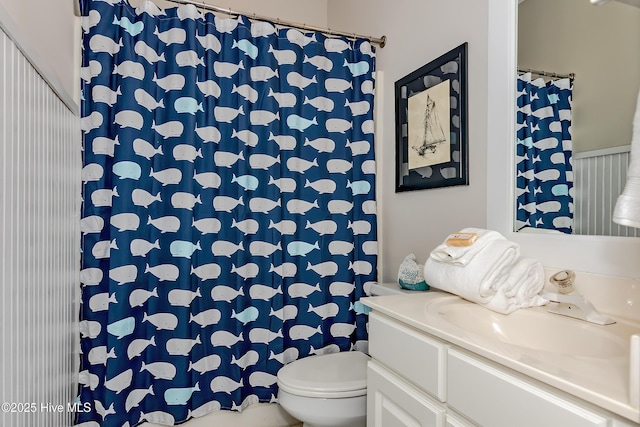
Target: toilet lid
[(335, 375)]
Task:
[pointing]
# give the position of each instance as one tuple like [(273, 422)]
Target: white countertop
[(603, 381)]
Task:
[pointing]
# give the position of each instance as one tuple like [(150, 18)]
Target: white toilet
[(329, 390)]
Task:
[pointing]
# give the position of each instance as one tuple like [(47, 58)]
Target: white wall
[(311, 12), (39, 236), (418, 32), (49, 32), (601, 45), (39, 210)]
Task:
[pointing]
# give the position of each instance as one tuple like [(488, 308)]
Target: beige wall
[(418, 32), (49, 32), (601, 44), (311, 12)]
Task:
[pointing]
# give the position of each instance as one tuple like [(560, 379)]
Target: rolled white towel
[(521, 288), (481, 277), (463, 255), (526, 279)]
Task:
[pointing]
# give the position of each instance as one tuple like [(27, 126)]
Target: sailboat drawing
[(433, 131), (429, 127)]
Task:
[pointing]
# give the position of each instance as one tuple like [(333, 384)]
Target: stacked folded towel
[(489, 272)]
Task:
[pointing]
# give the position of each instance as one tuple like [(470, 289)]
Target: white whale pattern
[(148, 53), (162, 370), (92, 224), (138, 297), (146, 149), (288, 312), (545, 196), (101, 355), (228, 217), (284, 99), (206, 364), (136, 396)]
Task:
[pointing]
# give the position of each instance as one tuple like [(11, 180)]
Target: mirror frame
[(616, 256)]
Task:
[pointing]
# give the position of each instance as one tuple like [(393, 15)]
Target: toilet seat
[(329, 376)]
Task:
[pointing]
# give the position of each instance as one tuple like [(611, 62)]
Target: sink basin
[(534, 328)]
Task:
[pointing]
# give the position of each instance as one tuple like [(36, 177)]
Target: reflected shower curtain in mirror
[(229, 218), (544, 177)]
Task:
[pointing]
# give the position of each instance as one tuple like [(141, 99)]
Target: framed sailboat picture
[(431, 124)]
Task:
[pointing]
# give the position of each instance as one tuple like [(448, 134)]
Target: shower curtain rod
[(571, 76), (379, 41)]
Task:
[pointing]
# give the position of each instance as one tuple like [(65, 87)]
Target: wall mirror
[(574, 113), (608, 255)]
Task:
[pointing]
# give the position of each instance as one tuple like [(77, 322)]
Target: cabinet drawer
[(456, 421), (495, 398), (408, 352), (393, 402)]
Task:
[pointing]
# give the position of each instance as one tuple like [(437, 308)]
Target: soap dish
[(411, 276)]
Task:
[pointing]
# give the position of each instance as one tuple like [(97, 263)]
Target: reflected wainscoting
[(599, 178)]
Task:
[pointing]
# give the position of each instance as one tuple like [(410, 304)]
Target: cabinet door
[(495, 398), (455, 421), (393, 402), (412, 354)]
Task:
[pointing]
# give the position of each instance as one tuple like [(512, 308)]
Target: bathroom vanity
[(438, 360)]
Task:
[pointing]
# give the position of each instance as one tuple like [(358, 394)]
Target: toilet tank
[(372, 289)]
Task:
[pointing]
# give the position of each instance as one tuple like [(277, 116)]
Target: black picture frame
[(434, 158)]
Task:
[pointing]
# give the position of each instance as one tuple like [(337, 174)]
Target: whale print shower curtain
[(229, 218), (544, 180)]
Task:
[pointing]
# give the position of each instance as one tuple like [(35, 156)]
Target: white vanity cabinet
[(406, 378), (394, 402), (415, 379), (453, 421)]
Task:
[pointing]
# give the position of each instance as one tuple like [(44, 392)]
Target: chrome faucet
[(570, 303)]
